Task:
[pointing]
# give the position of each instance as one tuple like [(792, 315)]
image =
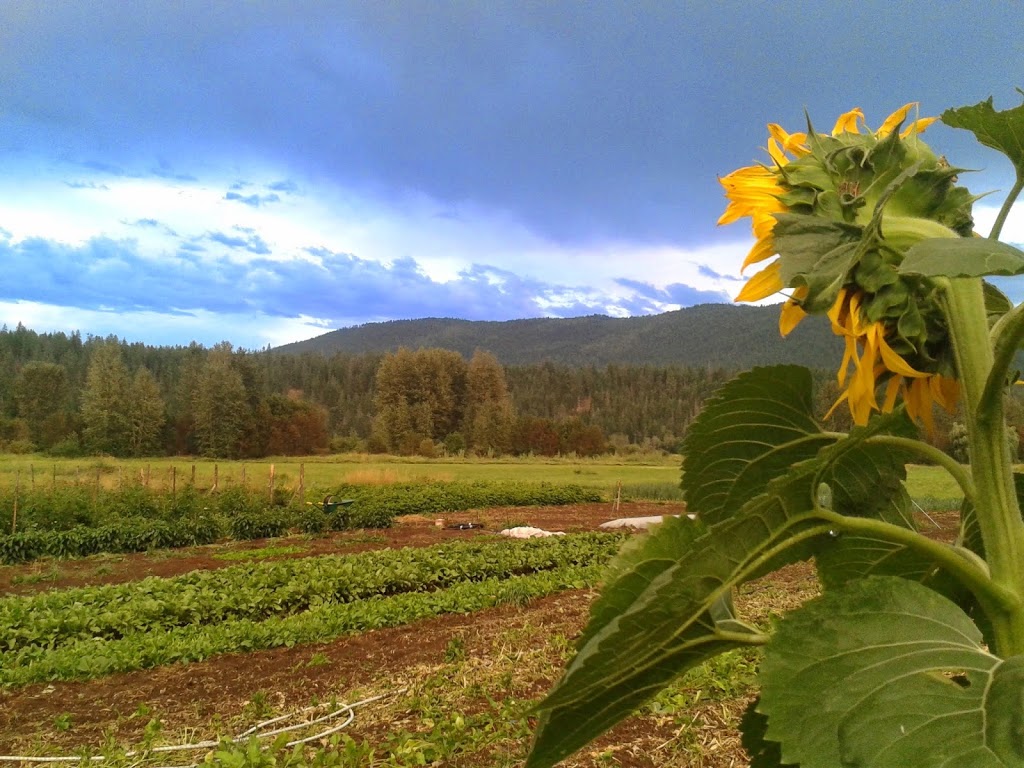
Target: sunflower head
[(835, 213)]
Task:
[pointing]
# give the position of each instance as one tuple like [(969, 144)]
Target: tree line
[(67, 395)]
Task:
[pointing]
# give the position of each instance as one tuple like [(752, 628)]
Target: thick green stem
[(997, 227), (933, 454), (745, 638), (967, 572), (1006, 337), (998, 513)]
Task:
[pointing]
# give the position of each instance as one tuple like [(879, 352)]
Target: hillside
[(716, 334)]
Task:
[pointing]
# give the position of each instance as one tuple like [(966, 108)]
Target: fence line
[(167, 484)]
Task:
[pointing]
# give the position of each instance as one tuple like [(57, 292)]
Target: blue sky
[(264, 172)]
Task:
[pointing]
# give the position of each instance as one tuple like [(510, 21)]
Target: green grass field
[(641, 477)]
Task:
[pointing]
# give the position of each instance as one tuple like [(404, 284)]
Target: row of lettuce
[(77, 522), (85, 632)]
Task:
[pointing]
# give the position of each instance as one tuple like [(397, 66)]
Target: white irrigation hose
[(348, 710), (921, 510)]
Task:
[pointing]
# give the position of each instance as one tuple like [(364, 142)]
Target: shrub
[(313, 519)]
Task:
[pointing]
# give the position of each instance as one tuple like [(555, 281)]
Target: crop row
[(256, 591), (428, 498), (142, 650), (135, 520)]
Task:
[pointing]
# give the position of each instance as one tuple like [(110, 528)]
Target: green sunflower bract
[(871, 195)]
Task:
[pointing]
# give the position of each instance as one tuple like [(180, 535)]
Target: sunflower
[(850, 178)]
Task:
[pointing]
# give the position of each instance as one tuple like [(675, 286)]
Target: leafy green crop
[(256, 591), (72, 522), (88, 658)]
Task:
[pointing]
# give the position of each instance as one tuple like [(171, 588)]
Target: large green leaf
[(962, 257), (755, 428), (887, 673), (666, 604), (762, 753), (1002, 131), (666, 608)]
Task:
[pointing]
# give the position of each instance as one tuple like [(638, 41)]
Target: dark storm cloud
[(583, 120)]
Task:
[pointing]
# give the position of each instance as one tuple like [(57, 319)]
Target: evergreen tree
[(105, 402), (419, 395), (145, 414), (220, 405), (41, 393), (489, 418)]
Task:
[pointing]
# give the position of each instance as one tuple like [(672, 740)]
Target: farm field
[(931, 486), (449, 641), (325, 471)]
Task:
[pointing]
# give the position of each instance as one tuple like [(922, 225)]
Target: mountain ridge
[(707, 334)]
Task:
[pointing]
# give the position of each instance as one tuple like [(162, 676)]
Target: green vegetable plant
[(914, 653)]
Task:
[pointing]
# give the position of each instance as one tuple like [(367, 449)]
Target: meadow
[(649, 476)]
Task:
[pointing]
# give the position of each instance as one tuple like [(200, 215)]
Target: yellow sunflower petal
[(847, 122), (892, 388), (792, 313), (895, 119), (794, 143), (849, 356), (842, 398), (893, 361), (918, 126), (835, 313), (763, 249), (777, 153), (763, 284), (918, 398), (945, 391)]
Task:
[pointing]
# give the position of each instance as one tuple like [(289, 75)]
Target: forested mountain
[(722, 335)]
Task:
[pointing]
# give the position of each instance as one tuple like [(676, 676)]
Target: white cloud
[(1013, 229), (253, 331)]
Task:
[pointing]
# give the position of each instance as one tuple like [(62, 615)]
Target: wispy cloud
[(85, 185), (253, 201), (246, 241)]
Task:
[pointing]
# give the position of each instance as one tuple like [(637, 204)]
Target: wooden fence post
[(302, 481), (271, 483), (17, 489), (32, 475), (215, 477), (174, 482), (193, 475)]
